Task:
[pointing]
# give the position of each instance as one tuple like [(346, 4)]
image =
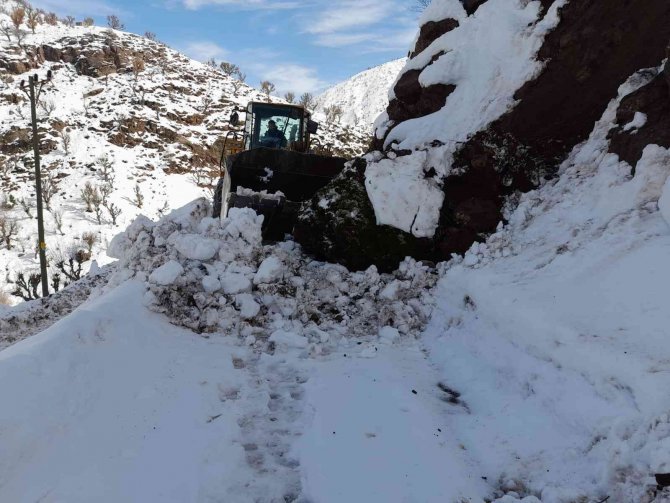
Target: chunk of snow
[(289, 339), (402, 196), (639, 120), (389, 334), (234, 283), (196, 247), (211, 284), (167, 273), (247, 306), (269, 271)]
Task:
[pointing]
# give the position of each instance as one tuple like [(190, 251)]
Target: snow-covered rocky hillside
[(127, 124), (363, 97), (205, 365)]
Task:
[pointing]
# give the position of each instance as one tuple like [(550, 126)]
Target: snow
[(370, 438), (269, 271), (486, 75), (167, 273), (402, 196), (113, 405), (533, 369), (195, 247), (664, 202), (289, 339), (363, 97), (554, 332), (639, 120)]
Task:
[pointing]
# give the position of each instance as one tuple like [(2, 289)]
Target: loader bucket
[(273, 182)]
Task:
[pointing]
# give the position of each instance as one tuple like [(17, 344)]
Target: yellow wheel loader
[(268, 165)]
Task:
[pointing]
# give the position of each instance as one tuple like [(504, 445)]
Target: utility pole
[(35, 87)]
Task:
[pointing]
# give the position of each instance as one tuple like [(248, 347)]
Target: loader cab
[(277, 126)]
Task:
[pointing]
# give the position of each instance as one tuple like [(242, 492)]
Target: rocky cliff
[(493, 98)]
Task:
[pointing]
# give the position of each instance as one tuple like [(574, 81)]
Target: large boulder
[(339, 225)]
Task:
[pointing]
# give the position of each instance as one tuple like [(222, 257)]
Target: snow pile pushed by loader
[(212, 275)]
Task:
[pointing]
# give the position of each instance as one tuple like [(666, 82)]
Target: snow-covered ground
[(538, 375), (209, 366), (363, 97)]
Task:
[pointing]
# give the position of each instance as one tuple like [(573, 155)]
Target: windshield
[(275, 127)]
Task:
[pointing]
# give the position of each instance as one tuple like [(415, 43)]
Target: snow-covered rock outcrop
[(494, 95)]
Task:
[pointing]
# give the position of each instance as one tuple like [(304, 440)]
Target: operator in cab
[(274, 137)]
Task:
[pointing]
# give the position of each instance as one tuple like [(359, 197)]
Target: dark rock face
[(412, 100), (88, 56), (471, 6), (430, 32), (653, 100), (346, 230), (595, 48)]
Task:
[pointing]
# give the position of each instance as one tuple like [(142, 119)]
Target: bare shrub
[(66, 139), (267, 88), (17, 15), (26, 206), (205, 103), (89, 239), (164, 209), (307, 101), (138, 196), (51, 18), (205, 178), (97, 206), (70, 263), (229, 68), (150, 36), (48, 107), (114, 22), (7, 30), (138, 67), (9, 228), (290, 97), (88, 22), (105, 169), (33, 19), (58, 220), (49, 188), (26, 288), (114, 211), (106, 190), (69, 21), (89, 194)]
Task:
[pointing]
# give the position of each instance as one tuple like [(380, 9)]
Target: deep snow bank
[(555, 331)]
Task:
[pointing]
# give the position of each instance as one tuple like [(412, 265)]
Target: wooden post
[(38, 187)]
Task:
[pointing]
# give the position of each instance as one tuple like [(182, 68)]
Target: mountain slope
[(364, 96), (138, 122)]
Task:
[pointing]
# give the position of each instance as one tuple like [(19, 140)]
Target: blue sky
[(300, 45)]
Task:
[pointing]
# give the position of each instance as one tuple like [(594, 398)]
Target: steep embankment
[(363, 97), (469, 124)]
